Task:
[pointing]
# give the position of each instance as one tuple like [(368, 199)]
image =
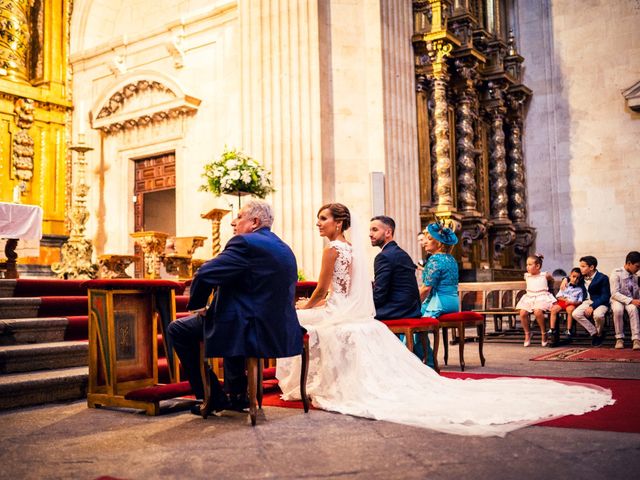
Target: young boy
[(571, 294), (625, 295), (596, 304)]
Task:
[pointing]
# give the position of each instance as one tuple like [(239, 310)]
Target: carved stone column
[(215, 216), (152, 244)]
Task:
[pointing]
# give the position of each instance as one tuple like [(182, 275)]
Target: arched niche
[(141, 98)]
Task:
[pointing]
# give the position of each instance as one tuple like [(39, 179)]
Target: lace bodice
[(441, 269), (341, 280)]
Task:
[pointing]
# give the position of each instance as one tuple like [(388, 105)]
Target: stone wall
[(581, 140)]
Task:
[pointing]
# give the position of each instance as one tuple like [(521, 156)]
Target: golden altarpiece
[(34, 111), (470, 106)]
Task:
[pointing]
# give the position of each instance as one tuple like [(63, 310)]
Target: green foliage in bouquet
[(236, 172)]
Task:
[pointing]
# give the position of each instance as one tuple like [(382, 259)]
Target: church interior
[(514, 122)]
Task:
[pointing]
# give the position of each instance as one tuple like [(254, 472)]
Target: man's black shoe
[(239, 403), (217, 400), (596, 340)]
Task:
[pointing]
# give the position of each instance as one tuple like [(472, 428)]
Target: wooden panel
[(151, 174)]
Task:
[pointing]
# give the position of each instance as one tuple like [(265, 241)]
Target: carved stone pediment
[(139, 100), (632, 96)]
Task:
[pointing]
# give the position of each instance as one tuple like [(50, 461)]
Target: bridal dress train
[(359, 367)]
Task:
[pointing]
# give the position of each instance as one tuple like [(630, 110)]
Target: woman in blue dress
[(439, 289)]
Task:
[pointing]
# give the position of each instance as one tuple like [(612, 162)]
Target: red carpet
[(577, 354), (623, 416)]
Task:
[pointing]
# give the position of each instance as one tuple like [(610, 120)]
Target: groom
[(395, 291), (252, 315)]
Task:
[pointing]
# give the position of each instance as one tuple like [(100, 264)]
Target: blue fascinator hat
[(442, 234)]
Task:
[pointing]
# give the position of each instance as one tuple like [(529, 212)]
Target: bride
[(359, 367)]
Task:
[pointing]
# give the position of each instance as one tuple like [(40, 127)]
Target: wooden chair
[(421, 326), (254, 377), (460, 321)]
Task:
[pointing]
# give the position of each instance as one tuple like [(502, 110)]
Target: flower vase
[(239, 194)]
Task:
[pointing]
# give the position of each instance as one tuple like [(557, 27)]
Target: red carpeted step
[(63, 306), (31, 287), (77, 328)]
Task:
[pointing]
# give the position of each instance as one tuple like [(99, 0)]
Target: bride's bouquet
[(236, 172)]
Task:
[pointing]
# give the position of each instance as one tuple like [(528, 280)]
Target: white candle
[(16, 194), (81, 119)]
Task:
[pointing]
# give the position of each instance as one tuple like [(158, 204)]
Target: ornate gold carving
[(76, 253), (443, 188), (14, 38), (176, 264), (215, 216), (114, 266), (22, 161), (153, 245), (188, 245)]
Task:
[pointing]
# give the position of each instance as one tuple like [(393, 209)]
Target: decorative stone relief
[(22, 161), (142, 103)]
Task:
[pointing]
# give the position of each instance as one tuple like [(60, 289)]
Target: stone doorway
[(155, 197)]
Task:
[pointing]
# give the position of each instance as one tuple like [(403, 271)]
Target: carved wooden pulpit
[(125, 317)]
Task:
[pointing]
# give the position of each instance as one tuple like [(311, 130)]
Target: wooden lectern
[(125, 317)]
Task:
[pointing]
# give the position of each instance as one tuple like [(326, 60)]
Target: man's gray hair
[(260, 210)]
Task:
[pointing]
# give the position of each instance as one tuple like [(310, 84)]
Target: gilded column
[(443, 183), (14, 39)]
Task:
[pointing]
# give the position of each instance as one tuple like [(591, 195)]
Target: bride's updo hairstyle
[(339, 213)]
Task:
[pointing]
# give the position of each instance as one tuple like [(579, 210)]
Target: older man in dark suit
[(253, 314)]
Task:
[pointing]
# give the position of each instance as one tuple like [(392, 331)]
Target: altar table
[(18, 222)]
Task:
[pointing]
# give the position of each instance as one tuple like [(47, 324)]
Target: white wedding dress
[(359, 367)]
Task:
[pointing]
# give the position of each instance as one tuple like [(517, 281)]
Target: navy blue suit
[(395, 292), (253, 312), (599, 290)]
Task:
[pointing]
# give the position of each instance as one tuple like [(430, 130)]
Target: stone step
[(41, 356), (15, 331), (33, 388), (19, 307), (7, 287)]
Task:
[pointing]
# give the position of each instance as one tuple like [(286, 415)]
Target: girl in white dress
[(537, 300), (359, 367)]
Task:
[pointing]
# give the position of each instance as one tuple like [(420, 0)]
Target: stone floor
[(71, 441)]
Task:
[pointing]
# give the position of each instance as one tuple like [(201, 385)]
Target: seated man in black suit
[(395, 292)]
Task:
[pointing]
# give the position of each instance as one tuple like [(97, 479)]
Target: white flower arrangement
[(236, 172)]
